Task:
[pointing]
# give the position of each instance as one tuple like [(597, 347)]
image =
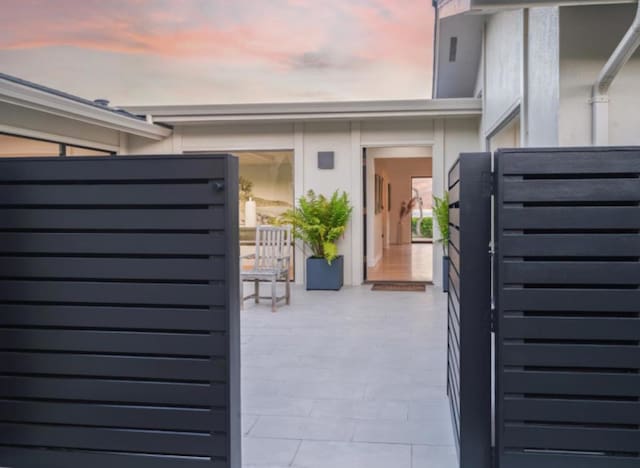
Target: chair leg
[(273, 295), (256, 289), (288, 289)]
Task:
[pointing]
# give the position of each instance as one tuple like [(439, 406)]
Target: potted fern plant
[(319, 221), (441, 214)]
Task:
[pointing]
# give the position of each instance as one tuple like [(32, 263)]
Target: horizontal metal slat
[(120, 342), (114, 293), (611, 217), (114, 268), (203, 193), (48, 458), (587, 300), (571, 438), (120, 168), (160, 318), (114, 243), (105, 390), (567, 272), (172, 443), (571, 411), (570, 328), (116, 367), (571, 355), (571, 383), (566, 460), (114, 219), (571, 190), (569, 245), (135, 417), (570, 161)]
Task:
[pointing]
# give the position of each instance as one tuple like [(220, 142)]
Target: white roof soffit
[(36, 99), (310, 111)]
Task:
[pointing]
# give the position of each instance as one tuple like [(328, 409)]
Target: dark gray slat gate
[(119, 317), (469, 310), (568, 335)]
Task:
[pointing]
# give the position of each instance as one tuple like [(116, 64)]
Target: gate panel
[(568, 291), (119, 312), (469, 310)]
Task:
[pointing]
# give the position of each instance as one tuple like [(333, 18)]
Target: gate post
[(469, 308)]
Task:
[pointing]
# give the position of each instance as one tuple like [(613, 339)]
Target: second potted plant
[(319, 222), (441, 214)]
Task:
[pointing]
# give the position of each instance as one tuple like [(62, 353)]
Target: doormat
[(405, 287)]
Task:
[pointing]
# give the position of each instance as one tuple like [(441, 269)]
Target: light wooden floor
[(407, 262)]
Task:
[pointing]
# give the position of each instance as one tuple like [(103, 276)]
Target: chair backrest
[(272, 243)]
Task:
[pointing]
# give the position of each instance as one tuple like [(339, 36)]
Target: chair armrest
[(247, 257)]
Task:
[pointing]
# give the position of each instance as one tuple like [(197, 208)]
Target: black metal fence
[(119, 313), (568, 303), (469, 316)]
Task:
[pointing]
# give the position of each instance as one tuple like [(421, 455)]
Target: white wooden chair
[(272, 262)]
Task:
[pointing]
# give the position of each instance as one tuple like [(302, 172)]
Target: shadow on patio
[(346, 380)]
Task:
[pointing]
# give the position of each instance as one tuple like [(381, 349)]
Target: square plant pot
[(321, 276)]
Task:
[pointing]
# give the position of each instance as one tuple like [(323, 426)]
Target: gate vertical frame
[(469, 358)]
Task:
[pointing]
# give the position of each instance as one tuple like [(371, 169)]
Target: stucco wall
[(588, 36)]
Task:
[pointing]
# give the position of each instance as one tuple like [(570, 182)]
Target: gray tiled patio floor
[(346, 379)]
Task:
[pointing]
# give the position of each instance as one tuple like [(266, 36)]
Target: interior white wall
[(588, 36)]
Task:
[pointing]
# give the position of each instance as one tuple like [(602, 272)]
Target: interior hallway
[(405, 262)]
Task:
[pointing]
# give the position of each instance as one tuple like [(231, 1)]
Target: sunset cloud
[(304, 43)]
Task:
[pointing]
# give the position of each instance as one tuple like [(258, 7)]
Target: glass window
[(77, 151), (13, 146), (422, 217), (266, 191)]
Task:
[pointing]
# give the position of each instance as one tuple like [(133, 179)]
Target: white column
[(299, 190), (356, 225)]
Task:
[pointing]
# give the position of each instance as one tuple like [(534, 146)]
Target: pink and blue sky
[(221, 51)]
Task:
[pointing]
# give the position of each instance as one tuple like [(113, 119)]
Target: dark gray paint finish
[(568, 330), (324, 277), (326, 159), (119, 312), (469, 314)]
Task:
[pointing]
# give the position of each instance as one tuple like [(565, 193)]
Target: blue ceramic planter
[(322, 276)]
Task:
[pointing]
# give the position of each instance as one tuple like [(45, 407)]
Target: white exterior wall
[(502, 89), (347, 139), (588, 36), (543, 81)]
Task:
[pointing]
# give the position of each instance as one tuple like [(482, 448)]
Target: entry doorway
[(398, 194)]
